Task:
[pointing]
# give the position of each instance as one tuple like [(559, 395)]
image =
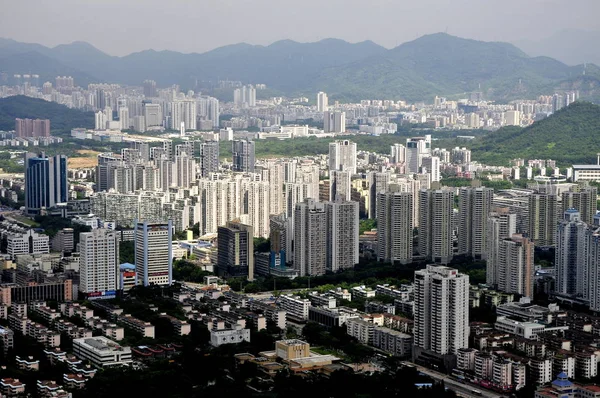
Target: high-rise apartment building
[(124, 118), (99, 262), (153, 253), (235, 257), (501, 224), (334, 122), (441, 310), (397, 153), (571, 255), (395, 227), (583, 199), (243, 156), (183, 111), (342, 235), (45, 181), (542, 219), (475, 205), (32, 128), (514, 265), (436, 209), (322, 102), (342, 156), (377, 183), (340, 185), (431, 165), (310, 238), (150, 89), (209, 157), (153, 114)]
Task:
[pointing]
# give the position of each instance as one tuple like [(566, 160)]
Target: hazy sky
[(120, 27)]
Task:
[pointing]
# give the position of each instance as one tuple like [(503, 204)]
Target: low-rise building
[(101, 352), (528, 330), (292, 349), (229, 336), (295, 307), (181, 328), (28, 363), (74, 381), (145, 328), (393, 341), (361, 330), (7, 339), (331, 317), (11, 387)]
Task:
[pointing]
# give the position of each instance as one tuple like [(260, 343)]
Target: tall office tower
[(183, 111), (514, 265), (474, 208), (342, 156), (395, 227), (209, 158), (377, 183), (501, 224), (441, 310), (334, 122), (571, 256), (340, 185), (243, 155), (436, 209), (99, 261), (124, 118), (153, 114), (431, 165), (542, 219), (583, 200), (397, 153), (278, 237), (416, 148), (150, 89), (342, 235), (310, 238), (153, 253), (273, 173), (45, 181), (255, 206), (322, 102), (235, 255)]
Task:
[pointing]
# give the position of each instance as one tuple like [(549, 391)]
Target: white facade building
[(99, 261)]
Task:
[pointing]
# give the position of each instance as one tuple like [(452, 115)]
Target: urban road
[(462, 389)]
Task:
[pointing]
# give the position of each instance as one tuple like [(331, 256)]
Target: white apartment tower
[(515, 267), (436, 209), (395, 227), (377, 183), (99, 261), (340, 185), (342, 156), (441, 310), (342, 235), (322, 102), (416, 149), (475, 206)]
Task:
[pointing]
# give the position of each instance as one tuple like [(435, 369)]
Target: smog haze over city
[(300, 199)]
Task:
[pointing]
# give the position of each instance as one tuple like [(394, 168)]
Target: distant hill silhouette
[(437, 64)]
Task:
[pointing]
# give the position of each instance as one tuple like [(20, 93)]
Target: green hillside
[(62, 119), (569, 136)]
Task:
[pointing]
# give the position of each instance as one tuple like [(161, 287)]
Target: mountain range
[(437, 64)]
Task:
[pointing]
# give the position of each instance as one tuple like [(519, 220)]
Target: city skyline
[(398, 23)]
